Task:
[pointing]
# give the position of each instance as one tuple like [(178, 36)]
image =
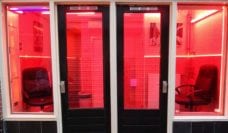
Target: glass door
[(84, 64), (142, 38)]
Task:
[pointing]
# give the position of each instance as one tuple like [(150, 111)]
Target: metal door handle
[(164, 86), (62, 87)]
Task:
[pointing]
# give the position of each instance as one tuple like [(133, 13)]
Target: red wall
[(28, 56)]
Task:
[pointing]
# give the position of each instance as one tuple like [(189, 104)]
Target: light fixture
[(186, 56), (19, 12), (45, 12), (204, 15), (29, 8), (13, 9), (152, 15), (81, 13)]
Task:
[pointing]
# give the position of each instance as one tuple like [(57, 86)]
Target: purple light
[(29, 8), (14, 9), (20, 12)]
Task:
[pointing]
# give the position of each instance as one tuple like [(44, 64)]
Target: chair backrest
[(207, 80), (36, 83)]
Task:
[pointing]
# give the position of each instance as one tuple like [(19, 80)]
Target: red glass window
[(85, 60), (29, 54), (141, 60), (199, 58)]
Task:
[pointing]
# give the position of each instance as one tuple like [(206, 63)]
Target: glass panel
[(141, 60), (85, 60), (29, 57), (199, 60)]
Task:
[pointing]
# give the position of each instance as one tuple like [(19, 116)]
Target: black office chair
[(202, 92), (36, 88)]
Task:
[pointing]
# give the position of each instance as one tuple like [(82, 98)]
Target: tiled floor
[(50, 127), (30, 127), (200, 127)]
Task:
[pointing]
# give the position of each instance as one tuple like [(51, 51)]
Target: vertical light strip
[(113, 68), (172, 66), (225, 42), (221, 83), (55, 64), (4, 67), (1, 61)]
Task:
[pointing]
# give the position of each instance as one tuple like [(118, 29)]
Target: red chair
[(37, 90), (202, 92)]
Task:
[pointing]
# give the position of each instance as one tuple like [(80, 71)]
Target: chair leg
[(191, 108), (25, 107), (42, 107)]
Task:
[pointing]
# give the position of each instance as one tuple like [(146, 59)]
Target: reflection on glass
[(199, 61), (85, 60), (141, 60), (29, 57)]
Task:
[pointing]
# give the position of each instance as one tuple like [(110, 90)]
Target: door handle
[(164, 87), (62, 87)]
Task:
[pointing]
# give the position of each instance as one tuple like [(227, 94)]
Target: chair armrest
[(183, 86), (200, 92), (25, 95)]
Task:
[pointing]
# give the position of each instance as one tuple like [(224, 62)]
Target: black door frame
[(98, 116), (123, 114)]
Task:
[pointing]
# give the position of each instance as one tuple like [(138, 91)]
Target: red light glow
[(84, 60), (29, 40)]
